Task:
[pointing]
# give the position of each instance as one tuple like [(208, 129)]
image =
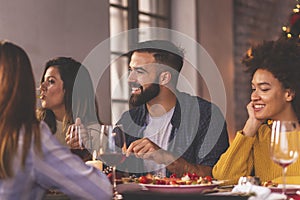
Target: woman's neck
[(59, 114), (288, 115)]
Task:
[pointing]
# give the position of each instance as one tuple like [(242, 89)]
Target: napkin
[(261, 193)]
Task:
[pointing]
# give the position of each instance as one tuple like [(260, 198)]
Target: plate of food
[(277, 188), (199, 188), (290, 189), (188, 183)]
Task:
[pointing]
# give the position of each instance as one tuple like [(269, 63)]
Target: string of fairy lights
[(292, 30)]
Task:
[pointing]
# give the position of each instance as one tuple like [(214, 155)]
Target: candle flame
[(94, 155)]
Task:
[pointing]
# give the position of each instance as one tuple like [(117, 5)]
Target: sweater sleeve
[(237, 161), (59, 168)]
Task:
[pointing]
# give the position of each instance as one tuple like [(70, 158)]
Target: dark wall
[(254, 21)]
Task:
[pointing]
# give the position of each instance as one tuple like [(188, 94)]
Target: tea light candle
[(95, 163)]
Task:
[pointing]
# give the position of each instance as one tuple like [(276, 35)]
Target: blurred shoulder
[(44, 128)]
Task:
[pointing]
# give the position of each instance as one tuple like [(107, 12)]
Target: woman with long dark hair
[(31, 159), (67, 93)]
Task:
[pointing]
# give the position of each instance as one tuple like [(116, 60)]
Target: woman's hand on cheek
[(252, 124)]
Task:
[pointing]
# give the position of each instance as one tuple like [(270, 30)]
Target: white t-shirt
[(158, 131)]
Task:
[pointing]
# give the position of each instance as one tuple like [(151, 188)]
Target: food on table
[(254, 180), (186, 179), (269, 184)]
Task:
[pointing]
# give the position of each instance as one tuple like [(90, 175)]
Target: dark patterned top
[(199, 131)]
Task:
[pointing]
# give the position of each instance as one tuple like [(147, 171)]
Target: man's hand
[(143, 148), (146, 149)]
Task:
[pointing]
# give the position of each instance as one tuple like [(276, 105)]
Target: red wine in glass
[(112, 159), (112, 150)]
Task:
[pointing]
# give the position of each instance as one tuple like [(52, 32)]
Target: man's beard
[(146, 95)]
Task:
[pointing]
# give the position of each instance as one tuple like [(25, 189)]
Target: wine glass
[(38, 94), (76, 141), (112, 150), (38, 89), (284, 145)]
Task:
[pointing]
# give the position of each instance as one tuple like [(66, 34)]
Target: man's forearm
[(179, 166)]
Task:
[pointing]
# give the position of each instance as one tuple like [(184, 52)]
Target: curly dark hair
[(282, 59)]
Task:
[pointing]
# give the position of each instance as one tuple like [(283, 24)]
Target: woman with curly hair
[(275, 71)]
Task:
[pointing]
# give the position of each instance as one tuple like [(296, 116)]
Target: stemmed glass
[(38, 89), (284, 145), (112, 150), (76, 137), (38, 94)]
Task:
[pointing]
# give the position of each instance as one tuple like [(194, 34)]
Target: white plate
[(199, 188), (290, 189)]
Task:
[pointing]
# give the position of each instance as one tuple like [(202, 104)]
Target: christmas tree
[(292, 30)]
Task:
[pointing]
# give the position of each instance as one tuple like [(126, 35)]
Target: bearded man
[(168, 131)]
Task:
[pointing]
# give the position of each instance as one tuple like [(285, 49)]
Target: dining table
[(130, 189), (134, 191), (130, 192), (148, 195)]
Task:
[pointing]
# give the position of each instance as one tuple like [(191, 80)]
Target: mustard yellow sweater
[(247, 153)]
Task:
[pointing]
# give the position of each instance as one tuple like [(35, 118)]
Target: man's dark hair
[(164, 52)]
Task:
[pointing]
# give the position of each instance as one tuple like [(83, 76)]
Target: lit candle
[(95, 163)]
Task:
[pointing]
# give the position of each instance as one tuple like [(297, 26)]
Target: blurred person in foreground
[(67, 93), (275, 70), (31, 159), (170, 132)]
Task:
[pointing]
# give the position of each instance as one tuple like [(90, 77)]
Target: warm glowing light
[(293, 18), (249, 53), (284, 28)]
